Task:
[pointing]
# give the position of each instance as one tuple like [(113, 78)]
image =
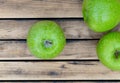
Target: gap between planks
[(63, 81), (73, 29), (72, 70), (50, 81)]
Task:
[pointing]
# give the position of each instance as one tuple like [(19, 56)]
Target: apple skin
[(107, 48), (101, 15), (46, 39)]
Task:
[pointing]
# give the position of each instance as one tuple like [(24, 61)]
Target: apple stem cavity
[(47, 43), (117, 53)]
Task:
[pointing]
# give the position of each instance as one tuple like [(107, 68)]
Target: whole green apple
[(101, 15), (108, 50), (46, 39)]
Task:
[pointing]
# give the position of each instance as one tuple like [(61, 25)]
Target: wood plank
[(70, 70), (73, 29), (40, 8), (75, 49)]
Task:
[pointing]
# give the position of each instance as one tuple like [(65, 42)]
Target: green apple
[(46, 39), (101, 15), (108, 50)]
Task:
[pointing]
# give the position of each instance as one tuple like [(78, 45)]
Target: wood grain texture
[(75, 49), (40, 8), (73, 29), (70, 70)]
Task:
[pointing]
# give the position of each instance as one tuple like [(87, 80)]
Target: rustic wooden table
[(78, 61)]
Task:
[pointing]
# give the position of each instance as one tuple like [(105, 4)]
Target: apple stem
[(47, 43)]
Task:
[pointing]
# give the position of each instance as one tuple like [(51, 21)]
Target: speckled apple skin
[(106, 49), (101, 15), (46, 30)]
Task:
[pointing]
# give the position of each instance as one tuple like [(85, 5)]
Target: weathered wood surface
[(73, 29), (70, 70), (40, 8), (75, 49)]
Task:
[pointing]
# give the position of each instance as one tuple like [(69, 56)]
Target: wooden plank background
[(78, 61), (73, 29), (88, 70), (40, 8), (75, 49)]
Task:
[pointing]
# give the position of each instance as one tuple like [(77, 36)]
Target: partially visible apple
[(108, 50), (101, 15), (46, 39)]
